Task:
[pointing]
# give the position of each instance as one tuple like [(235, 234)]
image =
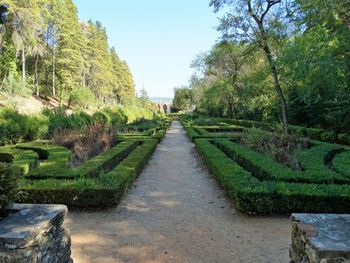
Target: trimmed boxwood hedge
[(100, 181), (58, 157), (312, 133), (264, 168), (100, 191), (8, 186), (158, 134), (253, 195), (341, 163), (22, 161)]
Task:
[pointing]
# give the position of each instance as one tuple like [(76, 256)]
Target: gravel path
[(175, 212)]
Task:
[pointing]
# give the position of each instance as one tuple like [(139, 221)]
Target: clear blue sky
[(158, 38)]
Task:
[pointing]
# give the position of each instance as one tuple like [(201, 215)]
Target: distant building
[(163, 103)]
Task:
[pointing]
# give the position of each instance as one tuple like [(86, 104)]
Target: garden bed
[(265, 189), (260, 184), (47, 177)]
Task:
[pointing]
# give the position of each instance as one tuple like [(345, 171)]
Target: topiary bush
[(8, 186)]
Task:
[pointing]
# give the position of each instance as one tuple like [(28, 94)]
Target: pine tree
[(125, 83), (100, 74), (70, 46)]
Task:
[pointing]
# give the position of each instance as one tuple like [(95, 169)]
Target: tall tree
[(70, 46), (125, 84), (100, 77), (25, 27), (144, 98), (257, 22), (182, 99)]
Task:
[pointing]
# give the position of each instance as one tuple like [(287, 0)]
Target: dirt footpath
[(175, 212)]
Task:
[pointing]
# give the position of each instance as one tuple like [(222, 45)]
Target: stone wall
[(35, 233), (320, 238)]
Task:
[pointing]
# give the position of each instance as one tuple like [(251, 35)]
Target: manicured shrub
[(252, 195), (328, 136), (58, 167), (21, 161), (101, 191), (204, 122), (341, 163), (8, 186), (55, 159), (312, 133), (265, 168)]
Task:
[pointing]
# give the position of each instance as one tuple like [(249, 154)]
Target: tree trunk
[(84, 78), (23, 67), (36, 79), (53, 74), (278, 88), (274, 73)]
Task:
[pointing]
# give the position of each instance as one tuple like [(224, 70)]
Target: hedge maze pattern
[(258, 184), (98, 182)]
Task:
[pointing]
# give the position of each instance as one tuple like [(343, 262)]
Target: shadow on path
[(175, 212)]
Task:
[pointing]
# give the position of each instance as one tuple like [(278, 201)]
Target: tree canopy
[(296, 51), (47, 51)]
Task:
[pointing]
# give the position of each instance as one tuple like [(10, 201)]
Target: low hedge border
[(159, 135), (264, 168), (271, 197), (317, 159), (312, 133), (341, 163), (56, 165), (102, 191), (21, 160)]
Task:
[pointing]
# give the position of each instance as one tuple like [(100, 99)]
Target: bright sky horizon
[(157, 38)]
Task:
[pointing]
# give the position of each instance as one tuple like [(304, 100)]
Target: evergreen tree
[(70, 46), (100, 77), (125, 83)]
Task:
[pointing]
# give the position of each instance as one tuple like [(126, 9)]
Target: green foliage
[(204, 122), (341, 163), (60, 56), (101, 191), (82, 97), (13, 85), (269, 196), (182, 99), (134, 110), (58, 158), (300, 46), (59, 120), (15, 127), (116, 115), (312, 133), (8, 185), (265, 168), (21, 161), (101, 118)]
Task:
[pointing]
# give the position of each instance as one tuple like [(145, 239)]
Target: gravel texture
[(175, 212)]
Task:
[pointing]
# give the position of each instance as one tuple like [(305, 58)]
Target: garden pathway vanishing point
[(176, 212)]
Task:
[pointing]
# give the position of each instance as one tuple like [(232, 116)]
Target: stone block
[(321, 238), (35, 233)]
